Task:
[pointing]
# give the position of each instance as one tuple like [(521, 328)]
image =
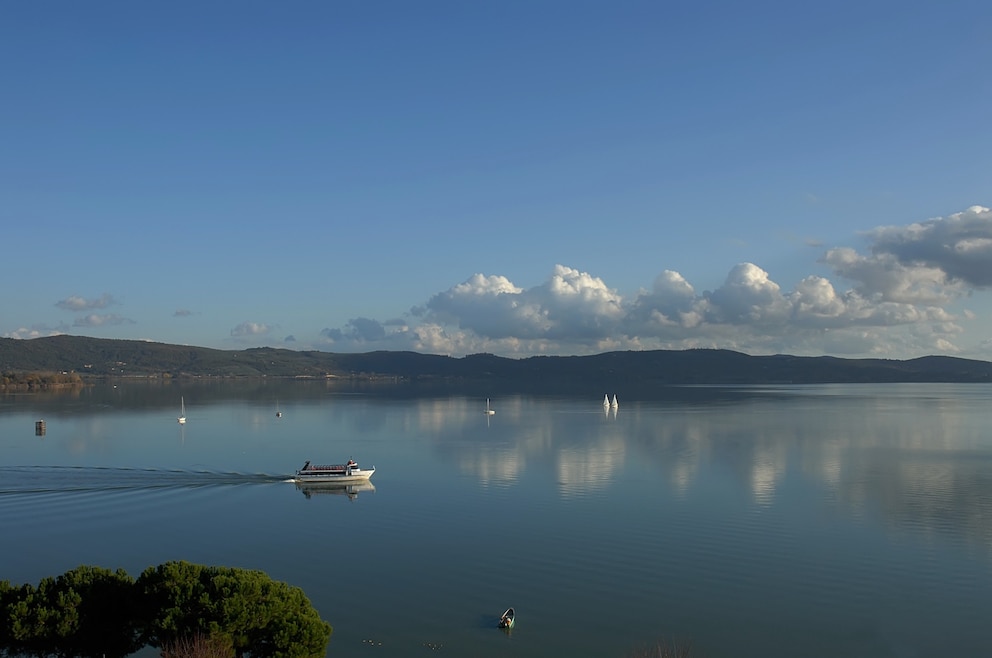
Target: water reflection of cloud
[(682, 475), (926, 495), (435, 414), (582, 470), (767, 467), (886, 454), (827, 464), (82, 438), (763, 477), (919, 463), (493, 468)]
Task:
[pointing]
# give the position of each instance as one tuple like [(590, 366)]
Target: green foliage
[(262, 617), (84, 612), (106, 601), (178, 606)]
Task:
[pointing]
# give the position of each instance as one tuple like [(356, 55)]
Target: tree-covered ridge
[(39, 380), (96, 357), (92, 612)]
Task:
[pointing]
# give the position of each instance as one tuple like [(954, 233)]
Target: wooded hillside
[(96, 357)]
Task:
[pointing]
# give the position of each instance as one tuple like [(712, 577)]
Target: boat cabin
[(330, 468)]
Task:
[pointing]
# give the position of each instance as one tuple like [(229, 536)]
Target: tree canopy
[(90, 612), (262, 617)]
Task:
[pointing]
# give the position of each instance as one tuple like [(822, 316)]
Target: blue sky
[(518, 178)]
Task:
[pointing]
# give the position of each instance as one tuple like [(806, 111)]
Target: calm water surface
[(776, 521)]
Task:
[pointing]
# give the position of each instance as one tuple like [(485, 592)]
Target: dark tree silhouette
[(84, 612)]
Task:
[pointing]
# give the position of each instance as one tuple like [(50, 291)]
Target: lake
[(841, 520)]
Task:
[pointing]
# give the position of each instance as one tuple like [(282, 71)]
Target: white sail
[(182, 411), (606, 400), (614, 404)]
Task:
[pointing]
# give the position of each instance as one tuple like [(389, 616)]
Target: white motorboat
[(350, 472)]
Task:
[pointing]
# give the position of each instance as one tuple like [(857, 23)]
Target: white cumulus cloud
[(251, 329), (895, 298), (37, 331), (76, 303), (959, 246), (97, 320)]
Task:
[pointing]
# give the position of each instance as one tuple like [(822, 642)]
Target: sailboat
[(182, 411), (614, 404), (489, 410), (606, 400), (278, 412)]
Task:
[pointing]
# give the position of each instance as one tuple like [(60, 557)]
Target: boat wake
[(47, 479)]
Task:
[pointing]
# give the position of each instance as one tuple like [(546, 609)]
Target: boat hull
[(350, 489), (354, 475)]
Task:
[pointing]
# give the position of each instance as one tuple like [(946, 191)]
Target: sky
[(557, 177)]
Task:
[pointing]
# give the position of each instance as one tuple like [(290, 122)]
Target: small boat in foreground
[(349, 472), (506, 621)]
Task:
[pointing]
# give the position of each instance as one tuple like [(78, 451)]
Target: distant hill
[(98, 357)]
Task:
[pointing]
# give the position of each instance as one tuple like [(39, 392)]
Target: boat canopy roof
[(329, 467)]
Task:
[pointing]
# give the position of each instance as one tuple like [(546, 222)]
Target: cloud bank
[(78, 304), (96, 320), (895, 301), (902, 295)]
